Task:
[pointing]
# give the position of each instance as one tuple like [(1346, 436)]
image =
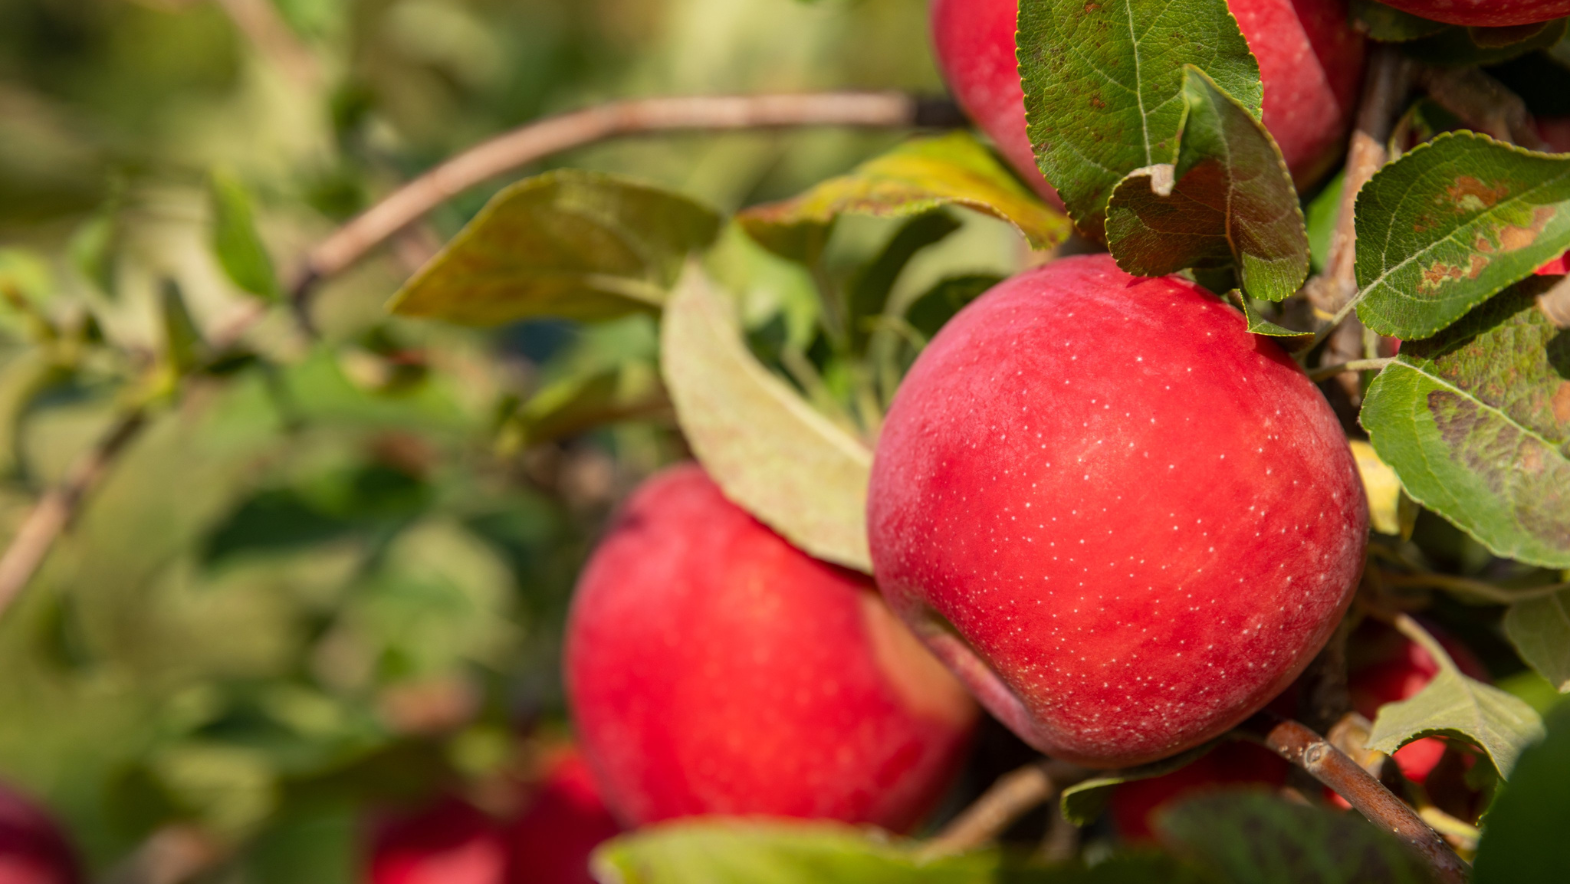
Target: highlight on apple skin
[(713, 668), (1125, 522), (1310, 61)]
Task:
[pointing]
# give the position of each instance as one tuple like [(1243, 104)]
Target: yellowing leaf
[(768, 450), (1381, 487)]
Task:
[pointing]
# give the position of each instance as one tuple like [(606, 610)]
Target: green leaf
[(1390, 25), (1476, 422), (913, 179), (1499, 723), (1103, 83), (235, 240), (1476, 47), (1450, 224), (869, 290), (1524, 832), (1083, 802), (1540, 630), (740, 851), (182, 339), (1321, 215), (767, 449), (1228, 199), (1289, 338), (572, 244), (1257, 838), (933, 309)]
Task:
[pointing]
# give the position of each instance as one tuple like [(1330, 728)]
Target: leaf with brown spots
[(1452, 223), (1473, 422), (1104, 83)]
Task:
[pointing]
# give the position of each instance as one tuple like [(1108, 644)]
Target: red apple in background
[(1310, 60), (1231, 765), (1123, 520), (33, 849), (564, 820), (1386, 667), (712, 668), (1485, 13), (448, 842)]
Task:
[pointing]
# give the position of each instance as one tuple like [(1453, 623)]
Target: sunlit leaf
[(235, 241), (1540, 630), (182, 339), (1524, 832), (1451, 223), (573, 244), (769, 451), (913, 179), (1455, 705), (1257, 837), (1227, 199), (1476, 422), (1103, 84), (1381, 487)]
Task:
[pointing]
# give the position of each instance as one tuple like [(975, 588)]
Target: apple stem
[(1330, 766), (1465, 585), (1330, 371), (1012, 796)]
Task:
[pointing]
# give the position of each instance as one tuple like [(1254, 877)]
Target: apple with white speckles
[(1310, 61), (1122, 520), (714, 669)]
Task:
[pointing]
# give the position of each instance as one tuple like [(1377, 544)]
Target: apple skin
[(1125, 522), (552, 838), (1388, 668), (448, 842), (1485, 13), (1310, 61), (33, 849), (1232, 765), (713, 668)]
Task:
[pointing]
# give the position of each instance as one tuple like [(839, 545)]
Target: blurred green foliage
[(330, 576)]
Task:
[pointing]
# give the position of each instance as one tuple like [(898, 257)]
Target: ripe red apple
[(1386, 667), (33, 849), (448, 842), (1310, 60), (1485, 13), (713, 668), (562, 824), (1125, 522), (1232, 765)]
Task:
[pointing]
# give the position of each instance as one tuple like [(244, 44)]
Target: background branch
[(1014, 794), (1328, 765), (54, 512), (535, 141)]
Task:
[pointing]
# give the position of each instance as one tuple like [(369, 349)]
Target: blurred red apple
[(33, 849), (712, 668), (1125, 522), (1310, 60), (1485, 13), (562, 824), (448, 842), (1231, 765)]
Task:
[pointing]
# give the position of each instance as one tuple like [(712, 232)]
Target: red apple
[(33, 849), (1485, 13), (1386, 667), (1310, 60), (1232, 765), (562, 824), (448, 842), (1123, 520), (713, 668)]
